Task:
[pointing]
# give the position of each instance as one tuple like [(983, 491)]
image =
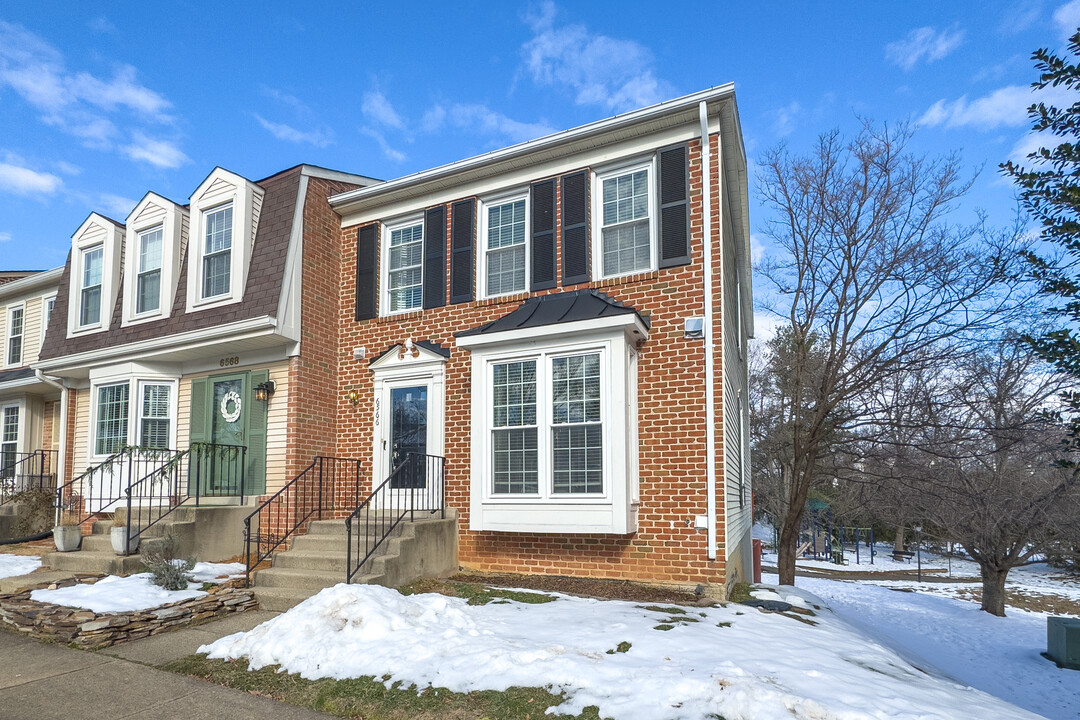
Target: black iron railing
[(415, 485), (20, 472), (101, 487), (204, 470), (325, 484)]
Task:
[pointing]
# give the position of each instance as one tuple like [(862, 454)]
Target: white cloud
[(784, 123), (24, 181), (757, 249), (159, 153), (924, 43), (390, 152), (81, 104), (1067, 18), (1004, 107), (1030, 143), (5, 237), (482, 119), (319, 138), (378, 109), (600, 70), (115, 206), (67, 168), (433, 119), (101, 25), (285, 98)]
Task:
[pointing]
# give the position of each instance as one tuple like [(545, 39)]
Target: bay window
[(111, 424)]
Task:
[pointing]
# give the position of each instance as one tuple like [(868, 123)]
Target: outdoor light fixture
[(354, 396), (264, 390)]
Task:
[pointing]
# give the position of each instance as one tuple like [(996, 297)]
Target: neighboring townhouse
[(197, 324), (29, 404), (565, 322)]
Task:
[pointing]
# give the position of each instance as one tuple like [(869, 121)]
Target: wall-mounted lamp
[(354, 396), (693, 328), (264, 390), (359, 353)]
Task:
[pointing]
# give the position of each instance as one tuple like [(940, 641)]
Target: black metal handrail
[(415, 484), (70, 500), (20, 472), (325, 484), (203, 470)]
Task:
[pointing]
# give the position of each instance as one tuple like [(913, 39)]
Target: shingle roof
[(19, 374), (556, 308)]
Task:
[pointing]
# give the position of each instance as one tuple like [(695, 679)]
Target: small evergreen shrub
[(167, 570)]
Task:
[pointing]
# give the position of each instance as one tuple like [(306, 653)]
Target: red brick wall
[(672, 465)]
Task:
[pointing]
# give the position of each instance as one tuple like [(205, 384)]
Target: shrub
[(167, 571)]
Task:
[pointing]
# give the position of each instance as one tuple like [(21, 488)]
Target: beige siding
[(150, 214), (276, 426), (31, 346), (80, 451), (218, 189)]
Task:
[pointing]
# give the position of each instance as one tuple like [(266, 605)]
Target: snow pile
[(735, 661), (114, 594), (998, 655), (216, 572), (15, 565)]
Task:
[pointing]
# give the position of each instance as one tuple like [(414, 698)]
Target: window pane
[(627, 248), (90, 312), (155, 418), (506, 248), (514, 447), (112, 418), (506, 270), (506, 224), (150, 250), (577, 459), (11, 425), (148, 293), (406, 275), (576, 452), (218, 230), (626, 197), (9, 442), (216, 271), (92, 265), (15, 336), (514, 461)]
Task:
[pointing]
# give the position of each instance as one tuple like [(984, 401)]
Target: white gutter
[(710, 386), (61, 456)]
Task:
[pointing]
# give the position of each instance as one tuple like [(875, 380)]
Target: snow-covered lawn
[(114, 594), (955, 638), (15, 565), (732, 661)]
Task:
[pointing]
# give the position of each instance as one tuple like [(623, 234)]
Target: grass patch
[(620, 648), (740, 592), (475, 593), (663, 609), (370, 699), (723, 624), (664, 626)]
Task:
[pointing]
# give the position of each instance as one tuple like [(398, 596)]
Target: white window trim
[(545, 424), (171, 222), (598, 176), (20, 429), (615, 512), (384, 263), (86, 238), (492, 201), (8, 336), (135, 377), (46, 316), (242, 198)]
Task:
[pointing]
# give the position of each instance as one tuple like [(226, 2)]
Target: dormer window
[(225, 212), (148, 283), (217, 254), (90, 295)]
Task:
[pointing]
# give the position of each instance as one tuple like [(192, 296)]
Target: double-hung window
[(148, 284), (90, 294), (15, 336), (217, 252), (155, 415), (111, 426), (405, 275), (505, 253), (9, 441), (547, 427), (625, 221)]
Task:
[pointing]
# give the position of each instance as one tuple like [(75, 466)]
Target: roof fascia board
[(43, 277)]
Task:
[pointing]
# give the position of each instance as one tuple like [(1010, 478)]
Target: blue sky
[(102, 102)]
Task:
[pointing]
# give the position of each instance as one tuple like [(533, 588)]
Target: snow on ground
[(216, 572), (997, 655), (14, 565), (114, 594), (732, 661)]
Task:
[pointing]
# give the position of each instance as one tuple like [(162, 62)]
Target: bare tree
[(996, 476), (871, 279)]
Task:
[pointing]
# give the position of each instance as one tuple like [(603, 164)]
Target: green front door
[(225, 416)]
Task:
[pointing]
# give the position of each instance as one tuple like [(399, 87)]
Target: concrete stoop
[(204, 533), (318, 559)]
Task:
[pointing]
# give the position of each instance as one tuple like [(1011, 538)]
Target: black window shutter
[(575, 228), (543, 235), (367, 263), (435, 257), (462, 231), (674, 207)]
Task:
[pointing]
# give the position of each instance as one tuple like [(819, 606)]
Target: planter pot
[(68, 538), (117, 536)]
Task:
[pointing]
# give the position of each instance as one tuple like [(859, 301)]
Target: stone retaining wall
[(90, 630)]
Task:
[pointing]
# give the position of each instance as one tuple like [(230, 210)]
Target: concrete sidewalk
[(40, 681)]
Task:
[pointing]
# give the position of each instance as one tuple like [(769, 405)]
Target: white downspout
[(62, 452), (710, 385)]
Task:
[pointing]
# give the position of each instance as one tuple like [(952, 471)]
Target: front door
[(405, 445), (226, 429), (228, 436)]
